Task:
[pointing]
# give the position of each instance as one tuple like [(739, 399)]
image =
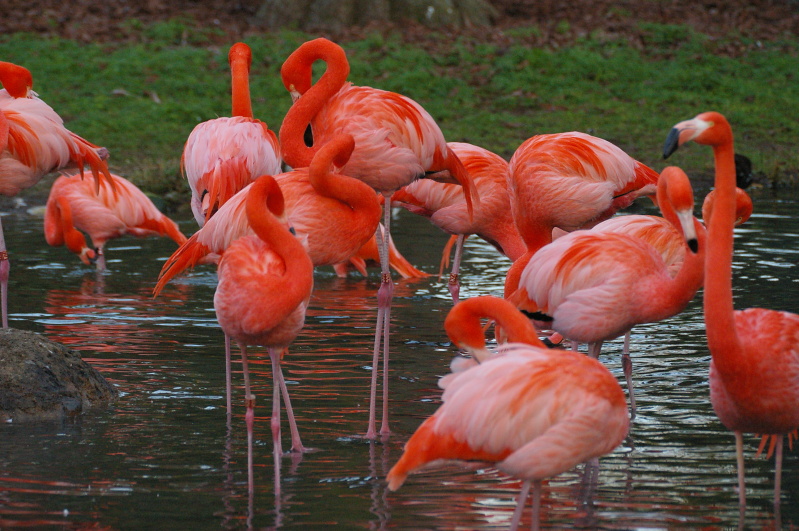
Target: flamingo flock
[(273, 207)]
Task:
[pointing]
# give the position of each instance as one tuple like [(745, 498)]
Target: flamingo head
[(681, 196), (17, 80), (709, 128), (88, 256)]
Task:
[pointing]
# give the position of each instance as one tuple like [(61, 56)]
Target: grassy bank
[(142, 100)]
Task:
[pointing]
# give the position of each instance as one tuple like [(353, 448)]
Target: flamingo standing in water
[(593, 286), (754, 367), (265, 283), (569, 181), (33, 143), (369, 253), (75, 204), (533, 412), (396, 142), (444, 204), (223, 155)]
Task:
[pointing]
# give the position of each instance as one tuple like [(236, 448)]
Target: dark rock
[(42, 379)]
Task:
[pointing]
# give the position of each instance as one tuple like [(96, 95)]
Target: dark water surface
[(162, 457)]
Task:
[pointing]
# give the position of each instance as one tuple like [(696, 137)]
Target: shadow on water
[(163, 456)]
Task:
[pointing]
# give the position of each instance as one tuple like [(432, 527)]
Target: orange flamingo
[(332, 214), (75, 204), (533, 412), (593, 286), (33, 143), (445, 206), (396, 142), (265, 283), (754, 368), (569, 181), (223, 155)]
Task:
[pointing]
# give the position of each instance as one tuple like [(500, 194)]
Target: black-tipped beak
[(693, 244), (672, 143), (291, 230)]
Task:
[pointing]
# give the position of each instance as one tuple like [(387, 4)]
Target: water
[(161, 457)]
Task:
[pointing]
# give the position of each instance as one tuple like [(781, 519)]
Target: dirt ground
[(559, 22)]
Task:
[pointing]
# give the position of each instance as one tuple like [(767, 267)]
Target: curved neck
[(296, 73), (3, 132), (73, 238), (265, 191), (718, 304), (464, 328), (240, 87), (354, 193)]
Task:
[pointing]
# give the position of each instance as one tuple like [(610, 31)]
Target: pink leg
[(100, 263), (276, 444), (5, 267), (520, 502), (296, 443), (228, 378), (739, 452), (777, 482), (384, 296), (594, 348), (536, 505), (249, 416), (454, 276)]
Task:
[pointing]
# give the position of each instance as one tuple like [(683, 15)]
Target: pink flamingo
[(396, 142), (265, 283), (593, 286), (533, 412), (223, 155), (569, 181), (75, 204), (754, 368), (444, 204), (33, 143)]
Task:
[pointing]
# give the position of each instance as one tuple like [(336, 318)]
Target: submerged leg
[(276, 444), (739, 452), (228, 378), (249, 416), (5, 267), (777, 482), (520, 502), (627, 365), (454, 276), (296, 443)]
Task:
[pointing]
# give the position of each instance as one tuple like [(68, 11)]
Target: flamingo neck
[(292, 131), (73, 239), (464, 328), (718, 306), (240, 90)]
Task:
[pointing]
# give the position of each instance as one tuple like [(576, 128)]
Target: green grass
[(142, 100)]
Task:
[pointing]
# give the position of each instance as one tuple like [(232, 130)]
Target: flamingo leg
[(100, 263), (594, 349), (228, 378), (739, 451), (536, 505), (777, 481), (5, 267), (521, 500), (249, 416), (384, 296), (454, 278), (627, 365), (296, 442), (276, 444)]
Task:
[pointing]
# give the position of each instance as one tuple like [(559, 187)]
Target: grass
[(142, 100)]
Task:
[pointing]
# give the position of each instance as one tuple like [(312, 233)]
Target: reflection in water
[(162, 455)]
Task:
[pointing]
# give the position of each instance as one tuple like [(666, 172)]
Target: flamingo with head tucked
[(223, 155), (754, 367), (445, 206), (396, 142), (532, 412), (76, 205), (569, 181), (33, 143)]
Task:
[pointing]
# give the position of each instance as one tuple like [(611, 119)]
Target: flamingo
[(370, 253), (265, 284), (396, 142), (445, 206), (533, 412), (593, 286), (569, 181), (33, 143), (754, 368), (223, 155), (75, 204)]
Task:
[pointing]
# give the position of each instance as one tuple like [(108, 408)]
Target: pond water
[(162, 456)]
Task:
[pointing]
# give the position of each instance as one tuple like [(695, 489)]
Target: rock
[(42, 379)]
